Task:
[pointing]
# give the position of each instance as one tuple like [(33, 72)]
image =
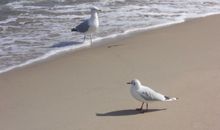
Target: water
[(37, 29)]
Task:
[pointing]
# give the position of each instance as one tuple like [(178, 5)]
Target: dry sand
[(86, 90)]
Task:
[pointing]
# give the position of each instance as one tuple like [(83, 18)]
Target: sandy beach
[(87, 90)]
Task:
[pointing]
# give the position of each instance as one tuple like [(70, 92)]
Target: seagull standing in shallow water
[(89, 26), (145, 94)]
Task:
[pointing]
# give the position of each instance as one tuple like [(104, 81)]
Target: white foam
[(201, 15), (8, 20), (18, 4), (49, 54)]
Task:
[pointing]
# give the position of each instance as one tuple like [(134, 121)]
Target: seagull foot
[(142, 110), (139, 109)]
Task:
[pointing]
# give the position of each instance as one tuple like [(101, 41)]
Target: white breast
[(93, 24), (135, 94)]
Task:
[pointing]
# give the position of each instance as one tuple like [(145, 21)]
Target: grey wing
[(83, 27)]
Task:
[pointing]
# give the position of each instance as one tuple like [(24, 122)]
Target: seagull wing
[(83, 27), (148, 94)]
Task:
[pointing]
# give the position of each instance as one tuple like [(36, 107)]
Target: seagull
[(89, 26), (145, 94)]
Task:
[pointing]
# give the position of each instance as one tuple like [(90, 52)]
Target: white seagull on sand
[(89, 26), (145, 94)]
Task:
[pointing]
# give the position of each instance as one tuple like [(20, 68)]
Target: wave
[(36, 25), (8, 20), (47, 55)]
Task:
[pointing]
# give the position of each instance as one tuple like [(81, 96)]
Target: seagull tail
[(73, 29), (170, 99)]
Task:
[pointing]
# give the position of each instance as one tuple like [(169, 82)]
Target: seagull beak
[(128, 82)]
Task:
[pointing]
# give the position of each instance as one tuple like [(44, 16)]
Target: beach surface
[(87, 90)]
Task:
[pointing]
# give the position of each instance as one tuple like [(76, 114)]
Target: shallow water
[(32, 30)]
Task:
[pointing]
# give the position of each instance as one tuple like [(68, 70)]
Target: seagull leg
[(84, 37), (146, 106), (91, 38), (141, 108)]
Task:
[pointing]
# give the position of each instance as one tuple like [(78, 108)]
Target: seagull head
[(95, 9), (134, 82)]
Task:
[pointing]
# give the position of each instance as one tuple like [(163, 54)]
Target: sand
[(86, 90)]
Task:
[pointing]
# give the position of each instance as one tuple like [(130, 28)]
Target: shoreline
[(101, 42), (87, 89)]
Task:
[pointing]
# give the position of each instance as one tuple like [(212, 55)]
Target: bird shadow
[(127, 112), (65, 44)]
